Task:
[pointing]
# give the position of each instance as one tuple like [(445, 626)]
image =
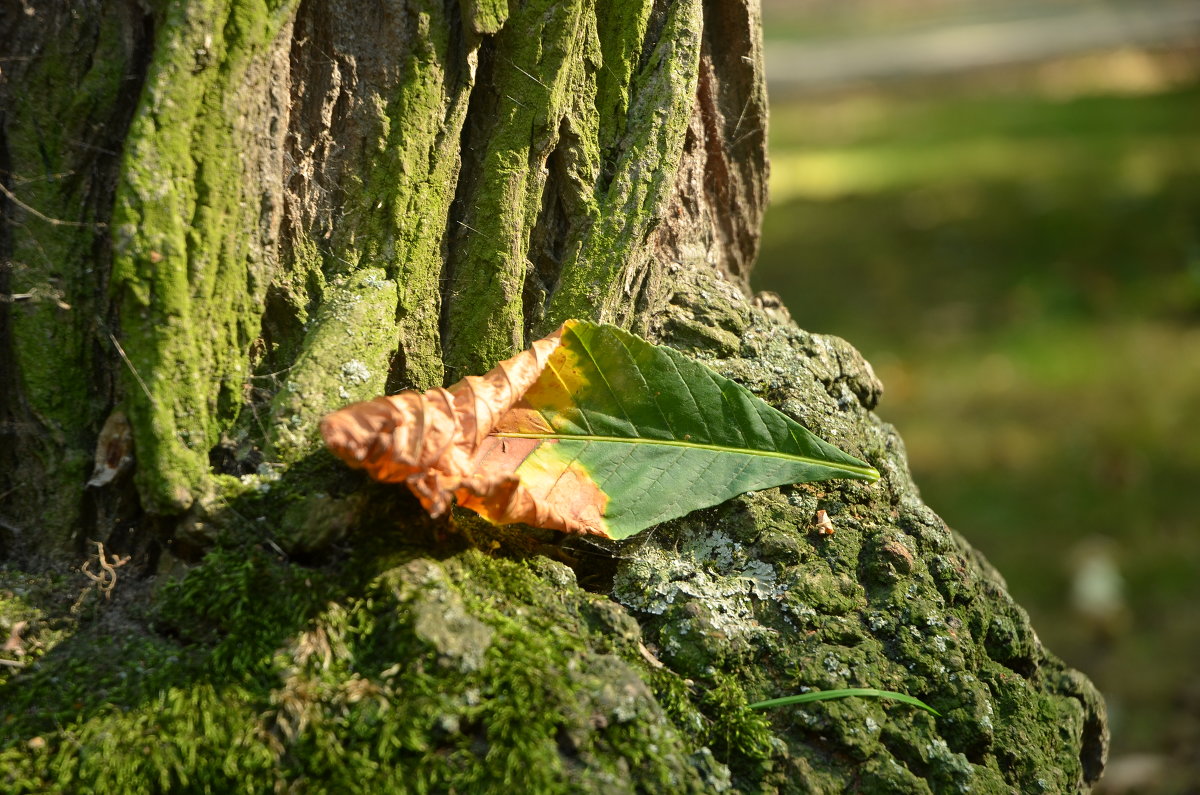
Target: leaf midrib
[(869, 472)]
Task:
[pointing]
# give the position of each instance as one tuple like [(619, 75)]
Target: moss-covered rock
[(409, 662), (472, 673)]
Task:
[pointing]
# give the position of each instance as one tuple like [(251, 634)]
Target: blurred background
[(999, 204)]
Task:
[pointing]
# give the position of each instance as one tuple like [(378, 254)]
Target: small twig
[(12, 663), (274, 374), (86, 145), (750, 134), (132, 369), (12, 197), (275, 547), (531, 77), (53, 295), (741, 117), (17, 179)]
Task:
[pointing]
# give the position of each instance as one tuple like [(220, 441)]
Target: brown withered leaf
[(439, 443), (114, 450), (14, 645)]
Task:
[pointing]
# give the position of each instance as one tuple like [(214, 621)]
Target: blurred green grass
[(1023, 270)]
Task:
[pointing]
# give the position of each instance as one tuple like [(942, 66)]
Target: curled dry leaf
[(14, 645), (592, 430), (442, 444), (114, 450)]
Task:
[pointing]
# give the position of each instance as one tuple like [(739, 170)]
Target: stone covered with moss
[(432, 657)]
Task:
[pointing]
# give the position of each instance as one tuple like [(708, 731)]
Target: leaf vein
[(600, 371), (868, 472)]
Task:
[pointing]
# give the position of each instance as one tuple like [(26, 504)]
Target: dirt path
[(832, 62)]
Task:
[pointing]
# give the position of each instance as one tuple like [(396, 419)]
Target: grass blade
[(825, 695)]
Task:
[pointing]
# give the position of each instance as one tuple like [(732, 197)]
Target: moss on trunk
[(193, 234), (62, 118)]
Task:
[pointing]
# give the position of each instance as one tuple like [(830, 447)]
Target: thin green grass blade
[(825, 695)]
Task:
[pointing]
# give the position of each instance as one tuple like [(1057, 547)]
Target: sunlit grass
[(1045, 162), (1128, 144)]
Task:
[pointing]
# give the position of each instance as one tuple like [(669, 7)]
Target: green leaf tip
[(661, 434)]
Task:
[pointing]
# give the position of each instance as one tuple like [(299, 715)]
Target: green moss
[(59, 166), (498, 679), (26, 621), (220, 606), (473, 673), (345, 358), (737, 731), (595, 270), (189, 265), (379, 268), (213, 747), (484, 16), (542, 58), (477, 673), (587, 100), (398, 204), (621, 27)]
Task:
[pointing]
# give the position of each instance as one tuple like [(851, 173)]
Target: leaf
[(592, 430), (825, 695), (114, 450)]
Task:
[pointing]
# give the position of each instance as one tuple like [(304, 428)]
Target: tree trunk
[(223, 220)]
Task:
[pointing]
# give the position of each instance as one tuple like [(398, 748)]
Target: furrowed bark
[(310, 203), (66, 98)]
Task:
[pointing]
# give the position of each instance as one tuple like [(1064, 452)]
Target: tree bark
[(223, 220)]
